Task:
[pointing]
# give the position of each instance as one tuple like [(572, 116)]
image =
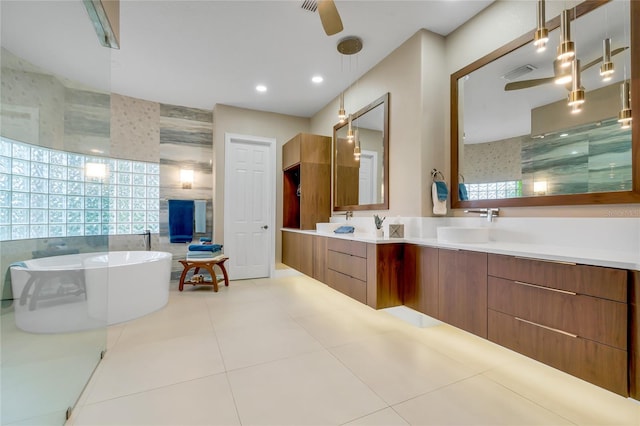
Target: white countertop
[(582, 255)]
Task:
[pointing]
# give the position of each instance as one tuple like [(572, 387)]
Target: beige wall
[(416, 130), (492, 28), (228, 119)]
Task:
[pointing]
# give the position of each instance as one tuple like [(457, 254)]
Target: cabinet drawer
[(347, 285), (604, 321), (599, 364), (355, 248), (607, 283), (347, 264)]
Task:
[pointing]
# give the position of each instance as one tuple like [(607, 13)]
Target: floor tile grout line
[(515, 392), (233, 397), (166, 385)]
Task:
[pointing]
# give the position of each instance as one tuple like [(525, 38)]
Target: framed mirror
[(516, 142), (361, 182)]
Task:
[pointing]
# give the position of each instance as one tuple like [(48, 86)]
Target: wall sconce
[(186, 178), (541, 35), (540, 187), (95, 170), (624, 116)]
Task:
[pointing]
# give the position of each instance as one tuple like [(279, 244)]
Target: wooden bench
[(206, 264)]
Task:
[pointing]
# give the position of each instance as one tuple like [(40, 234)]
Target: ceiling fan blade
[(525, 84), (598, 60), (329, 16)]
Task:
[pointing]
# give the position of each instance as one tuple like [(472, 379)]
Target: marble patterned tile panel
[(191, 114), (135, 128)]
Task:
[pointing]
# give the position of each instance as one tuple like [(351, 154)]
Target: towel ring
[(437, 175), (461, 177)]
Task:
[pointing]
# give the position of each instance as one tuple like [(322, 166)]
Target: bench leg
[(183, 276), (224, 273)]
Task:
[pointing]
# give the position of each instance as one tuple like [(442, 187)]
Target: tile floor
[(291, 351)]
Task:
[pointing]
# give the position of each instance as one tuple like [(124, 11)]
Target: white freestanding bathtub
[(89, 290)]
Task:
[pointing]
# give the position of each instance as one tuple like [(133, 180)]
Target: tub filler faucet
[(147, 239)]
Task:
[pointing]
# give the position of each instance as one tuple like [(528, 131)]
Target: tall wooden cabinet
[(306, 165)]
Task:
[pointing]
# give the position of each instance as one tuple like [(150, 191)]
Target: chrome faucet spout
[(348, 214), (488, 213)]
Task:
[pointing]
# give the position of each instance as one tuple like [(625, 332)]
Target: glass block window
[(494, 190), (50, 193)]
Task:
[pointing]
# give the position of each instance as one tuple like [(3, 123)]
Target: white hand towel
[(439, 207)]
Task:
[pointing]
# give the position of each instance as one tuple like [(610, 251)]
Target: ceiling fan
[(557, 71), (328, 12)]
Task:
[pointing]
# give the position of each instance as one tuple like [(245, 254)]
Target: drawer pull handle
[(566, 333), (561, 262), (572, 293)]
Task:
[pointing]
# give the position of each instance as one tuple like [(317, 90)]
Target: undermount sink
[(461, 234)]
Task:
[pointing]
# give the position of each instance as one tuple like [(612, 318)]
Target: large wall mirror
[(515, 141), (361, 182)]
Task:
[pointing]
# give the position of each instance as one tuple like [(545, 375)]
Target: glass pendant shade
[(350, 135), (342, 115), (356, 148), (606, 69), (624, 116), (566, 48), (576, 96), (541, 36)]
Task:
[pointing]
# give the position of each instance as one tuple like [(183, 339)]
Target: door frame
[(374, 173), (271, 143)]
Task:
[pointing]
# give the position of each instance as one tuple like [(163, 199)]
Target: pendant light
[(342, 115), (576, 96), (576, 109), (350, 135), (606, 69), (563, 75), (624, 116), (356, 148), (566, 48), (541, 35)]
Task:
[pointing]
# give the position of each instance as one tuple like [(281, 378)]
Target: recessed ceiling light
[(261, 88), (317, 79)]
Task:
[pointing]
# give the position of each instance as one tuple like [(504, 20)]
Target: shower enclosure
[(50, 127)]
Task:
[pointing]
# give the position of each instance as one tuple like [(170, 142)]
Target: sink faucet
[(348, 214), (488, 213)]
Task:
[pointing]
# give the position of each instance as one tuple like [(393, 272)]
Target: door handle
[(265, 227)]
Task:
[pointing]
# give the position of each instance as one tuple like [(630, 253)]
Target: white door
[(249, 210), (368, 177)]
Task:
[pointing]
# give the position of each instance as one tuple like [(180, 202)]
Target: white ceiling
[(199, 53)]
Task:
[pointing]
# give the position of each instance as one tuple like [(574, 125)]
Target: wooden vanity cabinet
[(421, 279), (634, 334), (572, 317), (370, 273), (306, 191), (347, 267), (462, 290), (297, 251)]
